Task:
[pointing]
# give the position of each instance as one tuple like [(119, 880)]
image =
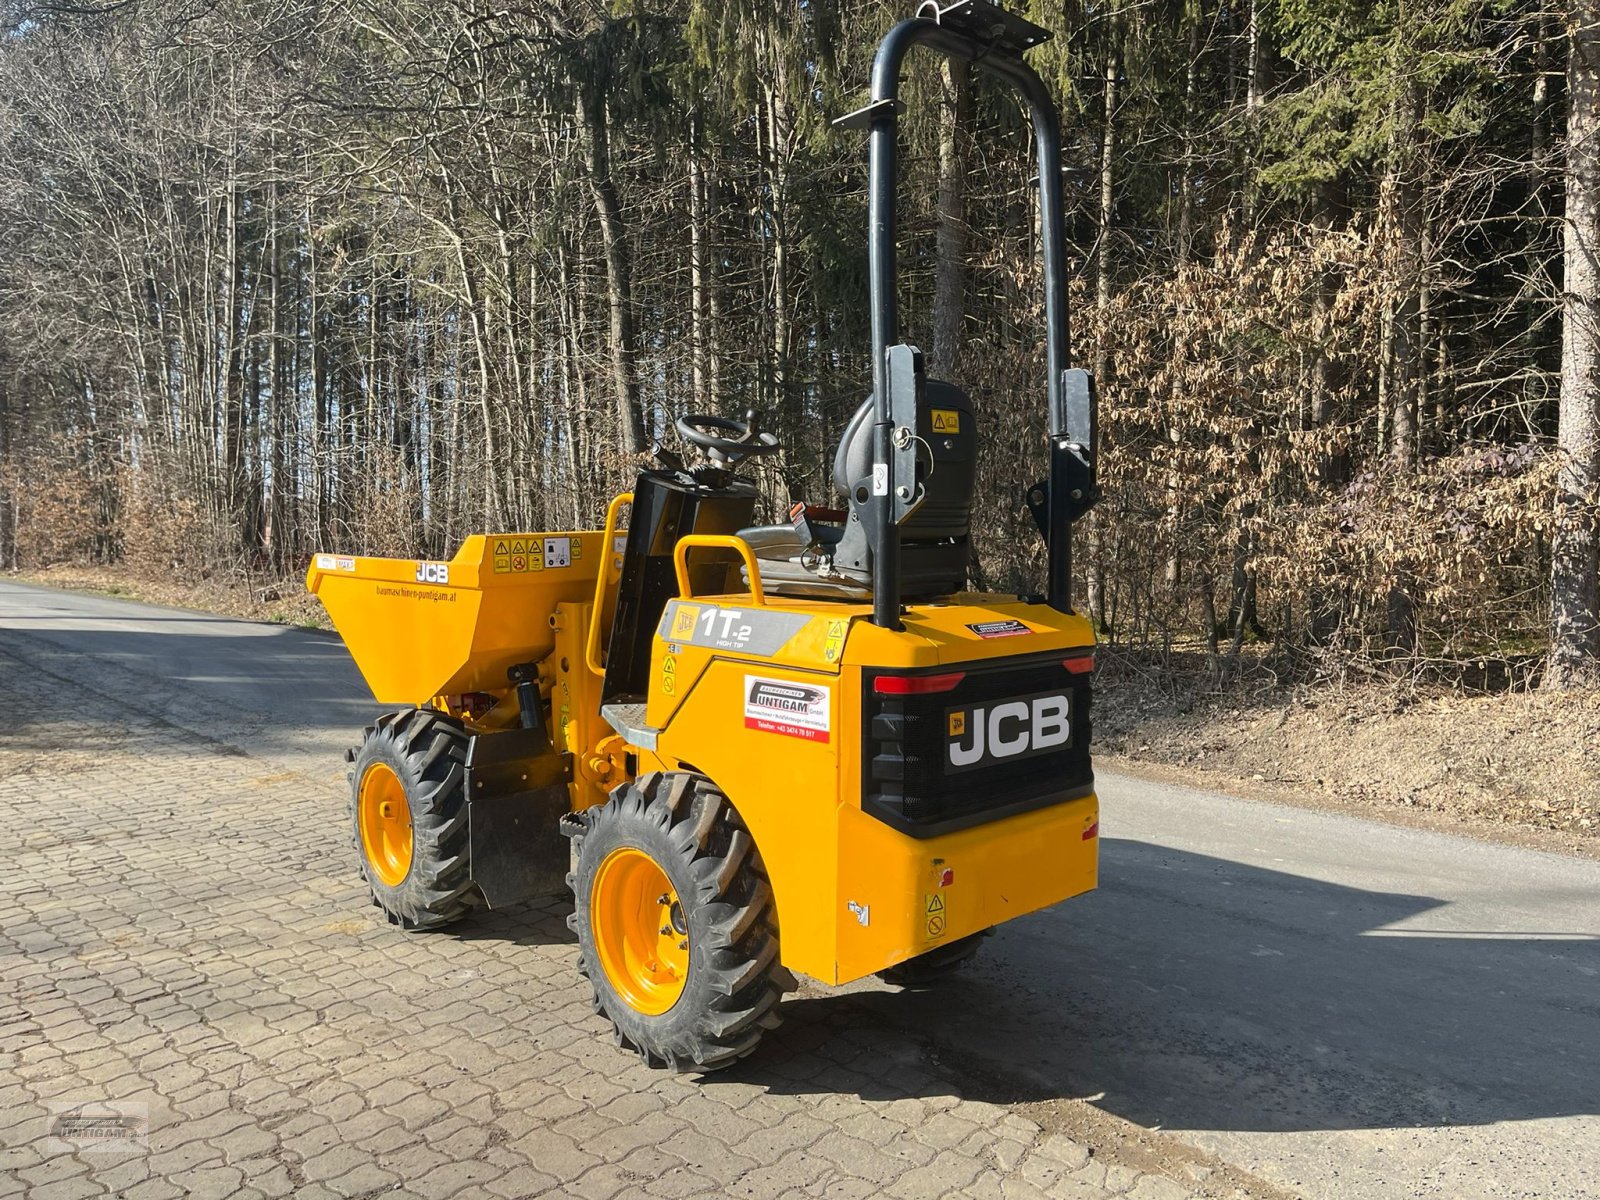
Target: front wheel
[(408, 815), (677, 931)]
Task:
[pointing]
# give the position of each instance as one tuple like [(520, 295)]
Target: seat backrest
[(947, 463)]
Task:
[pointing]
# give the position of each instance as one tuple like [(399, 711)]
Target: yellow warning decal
[(947, 420), (834, 645), (935, 912)]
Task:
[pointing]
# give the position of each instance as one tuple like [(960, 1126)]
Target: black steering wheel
[(727, 443)]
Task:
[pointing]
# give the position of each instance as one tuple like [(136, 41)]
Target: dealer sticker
[(1000, 629), (801, 710)]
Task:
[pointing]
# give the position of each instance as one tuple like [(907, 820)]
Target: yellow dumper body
[(854, 894)]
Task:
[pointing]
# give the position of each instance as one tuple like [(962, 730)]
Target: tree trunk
[(699, 253), (1108, 200), (619, 272), (1575, 558), (1407, 270), (780, 128), (950, 266), (1255, 61), (1095, 584)]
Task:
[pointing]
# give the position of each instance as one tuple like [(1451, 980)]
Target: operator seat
[(835, 561)]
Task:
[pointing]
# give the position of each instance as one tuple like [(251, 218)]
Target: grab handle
[(591, 646), (723, 541)]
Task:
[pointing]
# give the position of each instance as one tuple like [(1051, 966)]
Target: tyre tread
[(433, 749), (722, 861)]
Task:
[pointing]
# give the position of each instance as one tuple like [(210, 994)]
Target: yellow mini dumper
[(771, 749)]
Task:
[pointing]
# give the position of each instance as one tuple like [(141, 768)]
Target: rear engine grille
[(999, 740)]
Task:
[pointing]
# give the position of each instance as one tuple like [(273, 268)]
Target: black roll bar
[(993, 41)]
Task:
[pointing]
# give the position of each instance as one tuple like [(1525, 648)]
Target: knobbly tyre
[(750, 751)]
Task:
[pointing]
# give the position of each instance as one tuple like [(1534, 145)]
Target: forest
[(286, 275)]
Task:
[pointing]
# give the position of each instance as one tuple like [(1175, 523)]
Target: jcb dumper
[(749, 750)]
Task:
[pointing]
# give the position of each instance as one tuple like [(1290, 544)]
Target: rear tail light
[(916, 685), (1083, 664)]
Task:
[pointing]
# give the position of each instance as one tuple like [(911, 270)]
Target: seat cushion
[(781, 550), (785, 541)]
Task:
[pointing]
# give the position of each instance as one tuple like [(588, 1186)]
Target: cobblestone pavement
[(181, 928)]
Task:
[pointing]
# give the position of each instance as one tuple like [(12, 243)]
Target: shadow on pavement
[(1199, 993), (219, 679)]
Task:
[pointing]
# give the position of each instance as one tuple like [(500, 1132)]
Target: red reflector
[(1079, 666), (916, 685), (1092, 832)]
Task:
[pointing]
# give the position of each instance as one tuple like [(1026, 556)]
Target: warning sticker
[(502, 547), (834, 645), (1000, 629), (801, 710), (502, 564), (669, 675), (558, 552), (946, 420), (934, 908)]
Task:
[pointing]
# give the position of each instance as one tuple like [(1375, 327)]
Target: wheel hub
[(383, 816), (640, 932)]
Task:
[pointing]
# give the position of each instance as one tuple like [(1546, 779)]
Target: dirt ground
[(1524, 765)]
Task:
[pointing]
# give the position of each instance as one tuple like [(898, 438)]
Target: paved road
[(1339, 1008)]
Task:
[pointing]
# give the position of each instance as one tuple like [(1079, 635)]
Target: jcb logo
[(1017, 728), (433, 572)]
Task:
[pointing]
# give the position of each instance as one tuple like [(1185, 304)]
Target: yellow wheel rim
[(640, 934), (384, 818)]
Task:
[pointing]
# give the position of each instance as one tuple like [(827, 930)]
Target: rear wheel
[(408, 816), (677, 931)]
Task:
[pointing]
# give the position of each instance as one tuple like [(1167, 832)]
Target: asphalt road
[(1341, 1007)]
